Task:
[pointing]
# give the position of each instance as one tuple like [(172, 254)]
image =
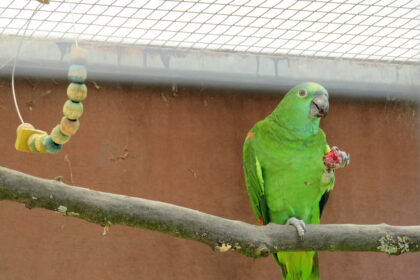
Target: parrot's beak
[(319, 105)]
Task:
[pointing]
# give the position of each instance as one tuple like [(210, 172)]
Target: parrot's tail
[(298, 265)]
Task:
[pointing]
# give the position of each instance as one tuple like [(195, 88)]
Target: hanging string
[(14, 64), (74, 25), (20, 46)]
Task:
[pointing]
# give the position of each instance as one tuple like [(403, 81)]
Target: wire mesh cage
[(364, 30)]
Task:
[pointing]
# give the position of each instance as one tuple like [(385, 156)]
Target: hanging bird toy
[(33, 140), (30, 139)]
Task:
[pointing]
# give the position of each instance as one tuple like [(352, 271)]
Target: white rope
[(18, 52), (14, 64), (20, 46), (74, 25)]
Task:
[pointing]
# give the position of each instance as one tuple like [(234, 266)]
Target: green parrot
[(289, 170)]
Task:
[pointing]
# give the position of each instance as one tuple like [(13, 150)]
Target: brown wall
[(186, 150)]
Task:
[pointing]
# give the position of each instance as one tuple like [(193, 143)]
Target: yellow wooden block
[(24, 131)]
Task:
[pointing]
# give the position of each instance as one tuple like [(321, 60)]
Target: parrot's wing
[(254, 179), (323, 201)]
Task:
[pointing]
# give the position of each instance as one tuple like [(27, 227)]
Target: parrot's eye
[(302, 93)]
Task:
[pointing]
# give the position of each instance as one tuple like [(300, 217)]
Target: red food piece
[(332, 159)]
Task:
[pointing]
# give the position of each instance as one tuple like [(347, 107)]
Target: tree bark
[(221, 234)]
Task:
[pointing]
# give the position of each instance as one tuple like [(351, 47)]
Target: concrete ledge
[(369, 79)]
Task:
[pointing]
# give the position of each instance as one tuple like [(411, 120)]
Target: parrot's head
[(308, 100), (302, 108)]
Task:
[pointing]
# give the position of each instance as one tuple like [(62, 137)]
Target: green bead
[(58, 136), (50, 146), (39, 143), (77, 73), (72, 110), (31, 143), (77, 92)]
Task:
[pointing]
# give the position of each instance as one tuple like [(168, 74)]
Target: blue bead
[(77, 74), (50, 146)]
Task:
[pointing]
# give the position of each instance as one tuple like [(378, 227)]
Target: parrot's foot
[(336, 158), (299, 225)]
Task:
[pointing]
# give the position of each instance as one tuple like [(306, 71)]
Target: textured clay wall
[(184, 147)]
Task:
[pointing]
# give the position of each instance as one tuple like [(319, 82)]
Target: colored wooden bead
[(58, 137), (35, 143), (77, 73), (77, 92), (69, 127), (39, 143), (31, 143), (72, 110), (78, 56), (50, 146), (24, 131)]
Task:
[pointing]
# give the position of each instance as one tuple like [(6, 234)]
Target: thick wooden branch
[(221, 234)]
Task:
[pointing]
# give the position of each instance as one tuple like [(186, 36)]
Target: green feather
[(285, 174)]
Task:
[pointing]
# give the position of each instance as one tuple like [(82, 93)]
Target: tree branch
[(221, 234)]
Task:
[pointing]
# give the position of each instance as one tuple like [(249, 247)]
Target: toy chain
[(33, 140)]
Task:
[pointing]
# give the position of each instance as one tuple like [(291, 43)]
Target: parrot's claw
[(299, 225), (344, 158)]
